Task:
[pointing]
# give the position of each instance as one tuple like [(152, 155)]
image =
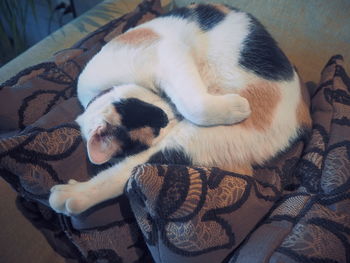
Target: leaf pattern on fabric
[(192, 211), (322, 227)]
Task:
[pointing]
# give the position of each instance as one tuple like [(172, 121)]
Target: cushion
[(199, 214), (40, 146)]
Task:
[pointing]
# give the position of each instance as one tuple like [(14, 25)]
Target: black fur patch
[(262, 55), (170, 156), (136, 114), (132, 148), (208, 16)]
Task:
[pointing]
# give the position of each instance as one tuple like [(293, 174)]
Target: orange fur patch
[(144, 135), (263, 98), (138, 37), (303, 112)]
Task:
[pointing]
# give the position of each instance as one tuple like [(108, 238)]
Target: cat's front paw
[(71, 198)]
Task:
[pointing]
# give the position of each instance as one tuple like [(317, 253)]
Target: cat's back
[(224, 37), (191, 23)]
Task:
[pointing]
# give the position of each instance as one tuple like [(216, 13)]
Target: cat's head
[(121, 121)]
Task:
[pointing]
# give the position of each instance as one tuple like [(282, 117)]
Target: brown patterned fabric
[(40, 146), (198, 214), (294, 209)]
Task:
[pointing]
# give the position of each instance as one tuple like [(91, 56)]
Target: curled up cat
[(202, 85)]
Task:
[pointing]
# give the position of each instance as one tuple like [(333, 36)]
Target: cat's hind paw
[(69, 199), (237, 108), (220, 110)]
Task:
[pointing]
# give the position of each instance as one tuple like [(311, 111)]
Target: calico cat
[(202, 85)]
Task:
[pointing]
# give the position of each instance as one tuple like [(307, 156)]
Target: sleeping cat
[(203, 85)]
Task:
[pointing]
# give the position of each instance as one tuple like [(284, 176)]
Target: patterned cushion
[(38, 107), (188, 213)]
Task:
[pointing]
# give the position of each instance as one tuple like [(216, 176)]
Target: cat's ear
[(101, 147)]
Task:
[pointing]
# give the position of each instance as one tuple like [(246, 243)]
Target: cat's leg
[(181, 81), (76, 197)]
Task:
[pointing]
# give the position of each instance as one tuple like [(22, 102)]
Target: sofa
[(295, 208)]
